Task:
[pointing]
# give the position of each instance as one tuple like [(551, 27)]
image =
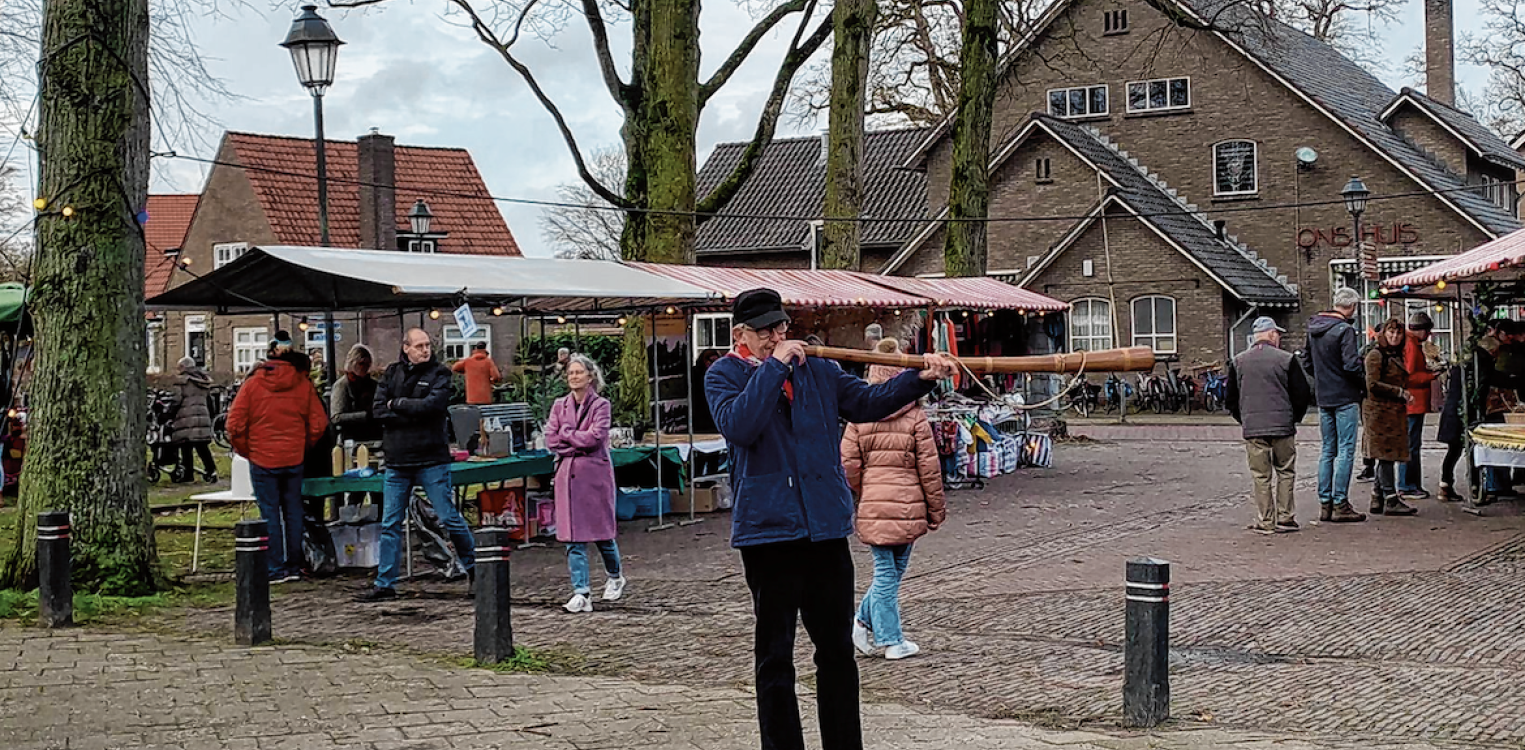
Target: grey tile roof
[(1232, 263), (790, 179), (1352, 94), (1478, 137)]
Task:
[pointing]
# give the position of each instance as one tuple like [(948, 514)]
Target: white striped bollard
[(493, 640), (1146, 645), (251, 615), (55, 590)]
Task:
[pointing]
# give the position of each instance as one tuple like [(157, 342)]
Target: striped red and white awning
[(973, 293), (798, 288), (1502, 253)]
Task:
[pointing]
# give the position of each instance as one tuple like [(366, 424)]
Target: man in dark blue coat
[(793, 511)]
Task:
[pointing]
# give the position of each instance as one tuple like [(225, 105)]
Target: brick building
[(262, 191), (1173, 182)]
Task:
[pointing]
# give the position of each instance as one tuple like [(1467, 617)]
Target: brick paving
[(1398, 629), (74, 690)]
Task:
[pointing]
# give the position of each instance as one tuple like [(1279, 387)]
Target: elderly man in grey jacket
[(1268, 395)]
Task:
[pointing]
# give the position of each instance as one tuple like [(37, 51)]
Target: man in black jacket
[(412, 404), (1339, 386), (1268, 395)]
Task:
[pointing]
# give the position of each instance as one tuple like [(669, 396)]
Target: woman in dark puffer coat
[(191, 429)]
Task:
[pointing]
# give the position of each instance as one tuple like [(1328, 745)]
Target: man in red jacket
[(274, 420), (481, 375), (1410, 479)]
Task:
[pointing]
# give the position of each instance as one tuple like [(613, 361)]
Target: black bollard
[(251, 616), (1146, 649), (55, 592), (494, 638)]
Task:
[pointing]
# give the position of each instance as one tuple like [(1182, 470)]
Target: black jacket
[(1339, 374), (413, 406)]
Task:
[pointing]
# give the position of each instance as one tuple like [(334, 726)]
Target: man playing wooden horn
[(793, 510)]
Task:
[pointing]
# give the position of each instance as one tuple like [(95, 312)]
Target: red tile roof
[(447, 178), (169, 217)]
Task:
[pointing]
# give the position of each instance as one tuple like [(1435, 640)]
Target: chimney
[(378, 191), (1439, 52)]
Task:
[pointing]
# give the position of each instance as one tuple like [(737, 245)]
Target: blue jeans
[(577, 562), (1410, 475), (880, 610), (279, 495), (435, 481), (1338, 427)]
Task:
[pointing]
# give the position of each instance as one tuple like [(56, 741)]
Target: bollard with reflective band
[(494, 638), (1146, 648), (55, 591), (251, 616)]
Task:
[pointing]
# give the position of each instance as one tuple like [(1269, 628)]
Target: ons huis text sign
[(1397, 233)]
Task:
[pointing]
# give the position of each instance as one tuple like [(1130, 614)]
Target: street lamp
[(1356, 195), (420, 217), (314, 49)]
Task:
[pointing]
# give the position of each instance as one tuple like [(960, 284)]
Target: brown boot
[(1343, 513), (1325, 512), (1376, 500), (1396, 507), (1447, 494)]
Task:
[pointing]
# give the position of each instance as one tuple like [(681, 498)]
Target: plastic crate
[(629, 505)]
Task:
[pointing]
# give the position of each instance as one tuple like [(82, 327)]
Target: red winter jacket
[(276, 417), (1420, 376)]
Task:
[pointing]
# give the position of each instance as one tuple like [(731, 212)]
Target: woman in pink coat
[(578, 433)]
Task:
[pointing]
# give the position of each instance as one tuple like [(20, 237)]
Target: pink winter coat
[(584, 474)]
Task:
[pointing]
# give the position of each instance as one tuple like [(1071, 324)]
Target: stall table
[(496, 471)]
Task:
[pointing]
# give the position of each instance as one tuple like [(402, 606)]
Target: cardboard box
[(702, 499)]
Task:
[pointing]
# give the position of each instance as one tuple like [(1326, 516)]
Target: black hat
[(758, 309), (482, 345)]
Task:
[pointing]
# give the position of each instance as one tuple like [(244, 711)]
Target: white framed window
[(154, 340), (249, 347), (458, 346), (1154, 323), (1499, 192), (1234, 168), (224, 253), (1081, 101), (196, 339), (1159, 94), (1090, 325), (421, 246), (711, 331)]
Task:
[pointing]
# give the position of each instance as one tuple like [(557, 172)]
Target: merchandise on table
[(980, 440)]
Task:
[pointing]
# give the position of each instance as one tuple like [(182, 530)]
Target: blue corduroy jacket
[(786, 461)]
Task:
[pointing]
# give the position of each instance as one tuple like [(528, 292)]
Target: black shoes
[(373, 595)]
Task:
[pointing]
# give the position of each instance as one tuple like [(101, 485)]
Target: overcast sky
[(414, 74)]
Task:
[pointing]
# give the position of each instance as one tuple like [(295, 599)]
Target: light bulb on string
[(497, 311), (1440, 284), (41, 204), (561, 319), (622, 320), (672, 310), (68, 212), (434, 314)]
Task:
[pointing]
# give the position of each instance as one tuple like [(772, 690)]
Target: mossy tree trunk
[(965, 252), (86, 452), (854, 22)]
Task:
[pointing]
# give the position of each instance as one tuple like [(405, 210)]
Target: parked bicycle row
[(1171, 391)]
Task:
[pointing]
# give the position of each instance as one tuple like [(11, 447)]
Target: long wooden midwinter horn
[(1130, 359)]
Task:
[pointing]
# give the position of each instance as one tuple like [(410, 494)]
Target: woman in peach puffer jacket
[(896, 477)]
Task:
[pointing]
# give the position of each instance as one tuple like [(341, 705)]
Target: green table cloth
[(463, 473)]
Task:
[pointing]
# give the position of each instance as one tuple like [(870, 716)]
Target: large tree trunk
[(965, 253), (86, 451), (854, 20), (670, 119)]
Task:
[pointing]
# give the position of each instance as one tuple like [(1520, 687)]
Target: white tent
[(280, 277)]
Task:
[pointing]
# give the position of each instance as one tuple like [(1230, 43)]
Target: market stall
[(1484, 283)]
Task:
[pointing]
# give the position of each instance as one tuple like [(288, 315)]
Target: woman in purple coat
[(578, 433)]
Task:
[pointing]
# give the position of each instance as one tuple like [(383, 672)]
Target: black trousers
[(187, 466), (811, 582)]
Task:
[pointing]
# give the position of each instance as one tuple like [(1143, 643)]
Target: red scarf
[(742, 352)]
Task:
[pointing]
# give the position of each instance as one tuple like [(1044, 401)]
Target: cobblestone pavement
[(97, 691), (1401, 629)]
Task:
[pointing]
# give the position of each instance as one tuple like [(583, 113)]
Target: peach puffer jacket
[(896, 476)]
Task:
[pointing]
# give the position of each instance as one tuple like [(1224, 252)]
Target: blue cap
[(1264, 324)]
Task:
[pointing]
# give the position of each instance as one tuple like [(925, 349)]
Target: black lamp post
[(314, 51), (1356, 194)]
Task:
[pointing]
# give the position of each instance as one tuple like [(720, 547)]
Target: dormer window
[(425, 236), (421, 246)]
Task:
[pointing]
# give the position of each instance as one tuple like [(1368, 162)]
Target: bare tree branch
[(744, 49), (1501, 49), (586, 229), (617, 87), (490, 38)]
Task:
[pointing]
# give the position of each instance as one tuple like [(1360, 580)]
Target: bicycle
[(1214, 389), (1081, 395)]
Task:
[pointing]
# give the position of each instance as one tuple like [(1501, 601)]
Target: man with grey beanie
[(1268, 395)]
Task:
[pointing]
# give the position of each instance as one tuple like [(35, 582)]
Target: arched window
[(1090, 325), (1154, 323), (1234, 172)]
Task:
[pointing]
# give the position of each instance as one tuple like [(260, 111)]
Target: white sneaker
[(580, 603), (614, 589), (902, 650), (863, 638)]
